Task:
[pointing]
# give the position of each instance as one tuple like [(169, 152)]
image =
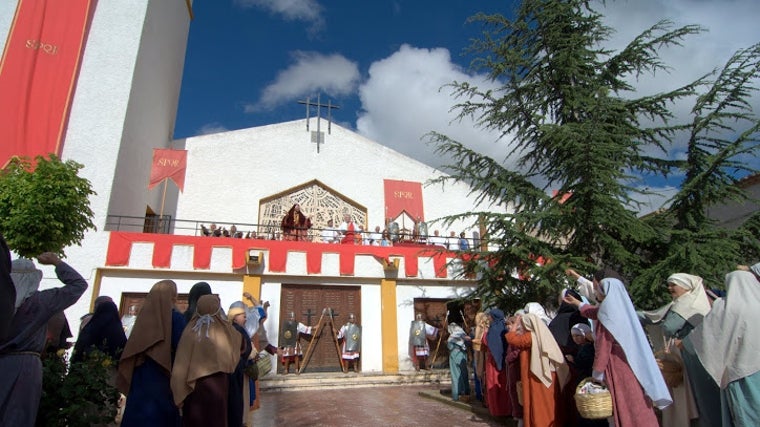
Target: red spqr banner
[(168, 163), (403, 196), (38, 74)]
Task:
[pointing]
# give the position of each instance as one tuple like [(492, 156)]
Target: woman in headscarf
[(496, 396), (727, 344), (543, 372), (196, 292), (567, 316), (208, 352), (582, 363), (538, 310), (673, 322), (237, 315), (21, 376), (478, 359), (623, 360), (146, 362), (460, 380), (103, 332)]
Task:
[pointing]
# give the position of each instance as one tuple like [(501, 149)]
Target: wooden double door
[(307, 302)]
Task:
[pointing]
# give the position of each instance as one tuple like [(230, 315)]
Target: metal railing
[(166, 224)]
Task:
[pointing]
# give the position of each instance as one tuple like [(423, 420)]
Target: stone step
[(325, 380)]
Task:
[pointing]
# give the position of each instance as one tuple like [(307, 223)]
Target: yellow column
[(252, 285), (389, 324)]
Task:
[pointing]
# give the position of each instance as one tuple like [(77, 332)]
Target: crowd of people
[(296, 226), (191, 368), (194, 368), (529, 365)]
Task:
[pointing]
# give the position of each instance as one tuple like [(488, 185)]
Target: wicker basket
[(593, 406), (671, 367)]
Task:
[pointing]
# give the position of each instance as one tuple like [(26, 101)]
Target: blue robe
[(150, 401)]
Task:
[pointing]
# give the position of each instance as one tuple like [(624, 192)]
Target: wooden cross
[(309, 314)]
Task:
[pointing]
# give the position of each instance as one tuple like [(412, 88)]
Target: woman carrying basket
[(623, 359)]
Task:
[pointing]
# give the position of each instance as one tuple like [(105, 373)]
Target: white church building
[(123, 106)]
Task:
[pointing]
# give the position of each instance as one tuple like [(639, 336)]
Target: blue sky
[(384, 62)]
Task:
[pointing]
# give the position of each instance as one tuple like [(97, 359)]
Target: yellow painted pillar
[(252, 285), (389, 324)]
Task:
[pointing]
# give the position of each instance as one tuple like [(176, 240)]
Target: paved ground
[(370, 406)]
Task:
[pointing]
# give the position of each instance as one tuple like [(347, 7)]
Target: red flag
[(170, 164), (403, 196), (38, 74)]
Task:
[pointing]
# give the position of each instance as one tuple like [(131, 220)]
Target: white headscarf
[(692, 306), (728, 340), (581, 328), (538, 310), (26, 277), (545, 355), (617, 315)]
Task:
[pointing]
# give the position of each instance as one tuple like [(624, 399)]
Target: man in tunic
[(21, 378), (351, 334), (290, 344), (419, 349), (329, 233), (348, 230)]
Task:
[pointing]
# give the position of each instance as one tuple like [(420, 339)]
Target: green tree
[(44, 206), (576, 126), (77, 394)]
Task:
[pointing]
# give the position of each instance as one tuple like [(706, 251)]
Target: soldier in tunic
[(290, 345), (351, 334), (420, 231), (419, 349)]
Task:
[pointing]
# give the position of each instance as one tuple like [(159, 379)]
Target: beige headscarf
[(209, 344), (734, 319), (545, 355), (151, 334), (481, 324), (692, 306)]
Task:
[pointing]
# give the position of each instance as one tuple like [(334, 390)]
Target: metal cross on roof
[(318, 136)]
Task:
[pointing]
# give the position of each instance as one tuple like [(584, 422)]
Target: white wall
[(230, 172)]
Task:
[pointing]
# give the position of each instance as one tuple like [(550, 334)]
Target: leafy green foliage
[(79, 394), (576, 126), (44, 207)]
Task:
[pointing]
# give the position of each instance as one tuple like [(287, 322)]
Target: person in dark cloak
[(198, 290), (20, 351)]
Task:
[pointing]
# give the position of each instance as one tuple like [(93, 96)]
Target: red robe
[(496, 395), (631, 407)]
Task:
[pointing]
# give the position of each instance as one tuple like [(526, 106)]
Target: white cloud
[(401, 100), (210, 128), (310, 73), (404, 98), (291, 10)]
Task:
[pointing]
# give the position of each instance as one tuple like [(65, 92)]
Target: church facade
[(124, 106)]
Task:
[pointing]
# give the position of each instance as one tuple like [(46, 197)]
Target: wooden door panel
[(307, 302)]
